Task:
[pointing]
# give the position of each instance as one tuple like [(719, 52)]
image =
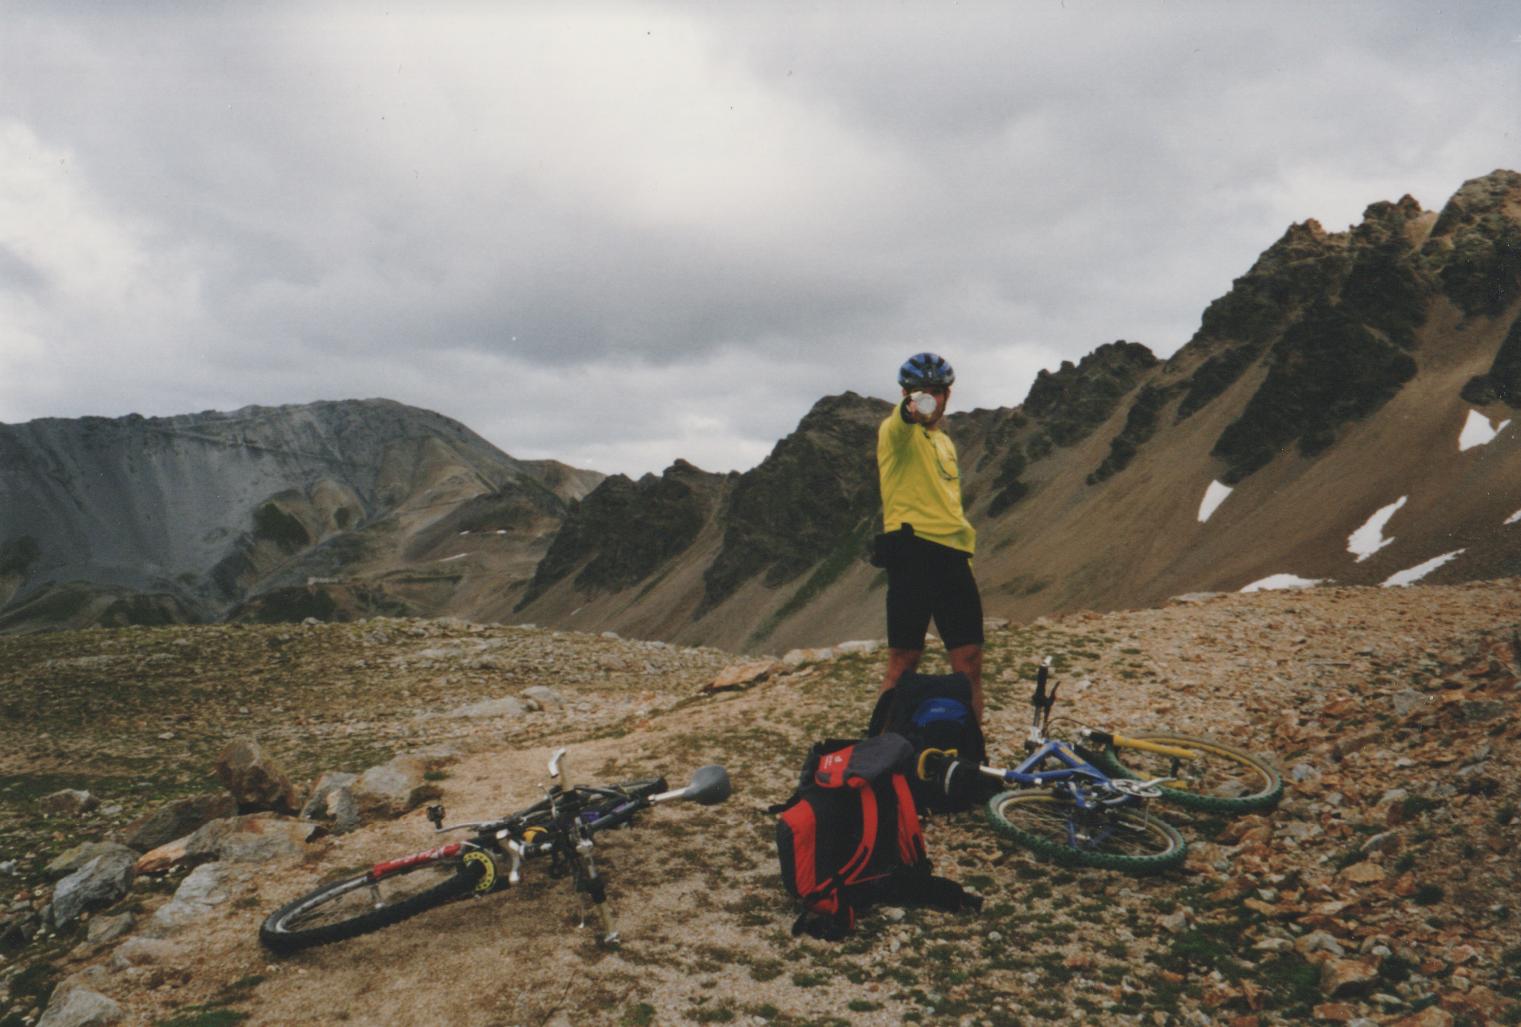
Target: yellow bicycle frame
[(1122, 742)]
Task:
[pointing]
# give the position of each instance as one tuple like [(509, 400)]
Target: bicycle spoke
[(1127, 838), (1220, 778)]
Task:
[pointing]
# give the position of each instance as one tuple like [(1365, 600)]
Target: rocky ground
[(1380, 891)]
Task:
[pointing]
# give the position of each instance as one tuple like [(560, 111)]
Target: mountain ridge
[(208, 509), (1334, 377)]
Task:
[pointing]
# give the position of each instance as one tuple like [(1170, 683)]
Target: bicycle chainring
[(1137, 789)]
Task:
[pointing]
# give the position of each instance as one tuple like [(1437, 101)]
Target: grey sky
[(618, 234)]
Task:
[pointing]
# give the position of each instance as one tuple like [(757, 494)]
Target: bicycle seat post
[(1041, 703)]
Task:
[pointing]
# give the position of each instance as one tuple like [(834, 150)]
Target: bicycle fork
[(589, 882)]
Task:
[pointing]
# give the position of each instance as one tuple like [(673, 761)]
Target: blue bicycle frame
[(1072, 774)]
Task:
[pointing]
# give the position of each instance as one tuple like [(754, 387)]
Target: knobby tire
[(1140, 843), (316, 918), (1224, 779)]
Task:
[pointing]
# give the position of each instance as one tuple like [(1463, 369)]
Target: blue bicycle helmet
[(925, 369)]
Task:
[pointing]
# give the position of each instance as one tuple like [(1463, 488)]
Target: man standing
[(927, 543)]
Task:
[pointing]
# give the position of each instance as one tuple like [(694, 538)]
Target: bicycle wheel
[(1115, 839), (1222, 779), (357, 905)]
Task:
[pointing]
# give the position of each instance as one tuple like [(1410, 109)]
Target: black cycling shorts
[(926, 580)]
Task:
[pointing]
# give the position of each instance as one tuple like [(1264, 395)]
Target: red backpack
[(850, 837)]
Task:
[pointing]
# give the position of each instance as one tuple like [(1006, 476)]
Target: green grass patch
[(640, 1014)]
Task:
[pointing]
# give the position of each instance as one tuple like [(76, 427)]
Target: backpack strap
[(882, 713), (911, 848), (919, 887), (861, 858)]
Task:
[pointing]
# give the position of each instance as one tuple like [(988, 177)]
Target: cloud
[(747, 205)]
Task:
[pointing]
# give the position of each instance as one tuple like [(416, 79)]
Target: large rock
[(743, 675), (70, 860), (169, 854), (145, 952), (507, 706), (98, 883), (105, 929), (80, 1007), (70, 802), (251, 838), (202, 890), (543, 696), (394, 788), (1342, 978), (254, 779), (177, 820), (332, 798)]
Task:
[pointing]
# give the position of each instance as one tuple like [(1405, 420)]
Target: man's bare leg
[(967, 659), (899, 663)]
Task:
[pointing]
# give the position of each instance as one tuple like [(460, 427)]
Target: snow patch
[(1369, 539), (456, 556), (1213, 497), (1420, 570), (1479, 430), (1513, 518), (1277, 581)]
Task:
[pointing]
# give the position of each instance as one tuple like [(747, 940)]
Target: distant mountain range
[(326, 510), (1342, 414)]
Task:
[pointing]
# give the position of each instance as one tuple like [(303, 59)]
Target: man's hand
[(923, 404)]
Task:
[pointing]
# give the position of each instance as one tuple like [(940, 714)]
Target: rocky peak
[(625, 530), (1475, 245), (814, 497), (1074, 399), (1383, 220)]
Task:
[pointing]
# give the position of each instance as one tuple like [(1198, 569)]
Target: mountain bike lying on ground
[(1201, 774), (1078, 803), (560, 826)]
